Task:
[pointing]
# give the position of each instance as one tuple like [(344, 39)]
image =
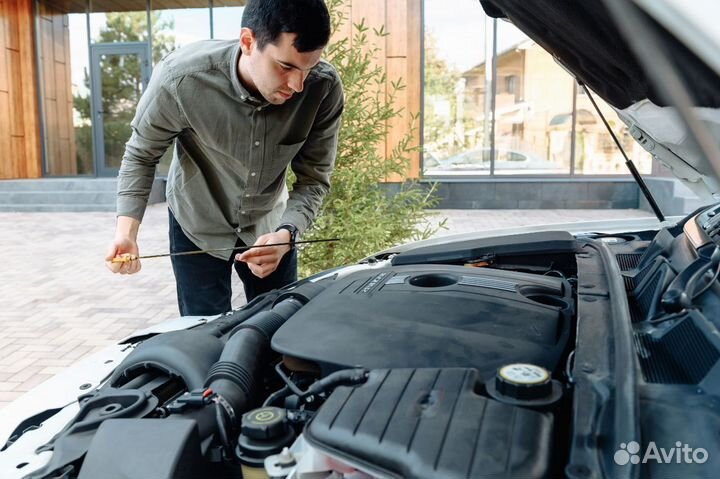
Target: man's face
[(278, 70)]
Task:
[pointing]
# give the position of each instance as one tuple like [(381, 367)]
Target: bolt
[(85, 386), (285, 458)]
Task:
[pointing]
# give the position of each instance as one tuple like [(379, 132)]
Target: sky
[(459, 29)]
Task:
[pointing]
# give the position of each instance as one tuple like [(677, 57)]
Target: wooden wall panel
[(19, 127), (4, 73), (19, 155), (397, 26), (62, 92), (55, 60), (415, 79), (12, 33), (51, 137), (46, 58), (4, 80), (30, 112), (5, 165), (58, 22)]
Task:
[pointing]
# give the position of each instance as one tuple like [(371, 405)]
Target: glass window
[(456, 133), (173, 28), (65, 85), (227, 17), (533, 108), (108, 25)]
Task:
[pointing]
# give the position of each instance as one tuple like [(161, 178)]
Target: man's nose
[(297, 78)]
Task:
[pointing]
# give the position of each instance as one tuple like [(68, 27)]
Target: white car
[(506, 161)]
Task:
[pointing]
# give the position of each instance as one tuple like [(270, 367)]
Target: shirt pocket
[(285, 153), (282, 156)]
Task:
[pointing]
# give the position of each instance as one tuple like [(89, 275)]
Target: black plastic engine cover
[(428, 423), (144, 448), (432, 316)]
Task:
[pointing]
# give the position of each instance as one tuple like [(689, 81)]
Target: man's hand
[(124, 244), (263, 261)]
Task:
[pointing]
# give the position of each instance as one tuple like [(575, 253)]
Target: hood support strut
[(628, 162)]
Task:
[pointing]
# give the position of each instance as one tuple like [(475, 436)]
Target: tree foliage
[(358, 208), (440, 84)]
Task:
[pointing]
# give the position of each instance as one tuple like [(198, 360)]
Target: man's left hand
[(263, 261)]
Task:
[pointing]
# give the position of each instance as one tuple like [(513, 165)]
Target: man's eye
[(286, 68)]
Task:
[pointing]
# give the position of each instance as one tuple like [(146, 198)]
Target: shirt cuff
[(132, 207), (296, 219)]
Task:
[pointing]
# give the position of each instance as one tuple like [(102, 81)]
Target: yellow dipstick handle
[(126, 258)]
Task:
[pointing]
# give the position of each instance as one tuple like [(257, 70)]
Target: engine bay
[(495, 357)]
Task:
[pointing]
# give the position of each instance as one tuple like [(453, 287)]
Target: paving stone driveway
[(59, 303)]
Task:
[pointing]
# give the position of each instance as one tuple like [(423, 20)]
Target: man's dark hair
[(309, 19)]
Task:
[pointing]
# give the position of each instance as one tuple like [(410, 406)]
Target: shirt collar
[(243, 92)]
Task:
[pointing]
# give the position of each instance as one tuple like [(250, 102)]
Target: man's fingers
[(111, 253), (262, 270), (134, 267), (259, 255), (114, 267), (129, 265), (256, 252)]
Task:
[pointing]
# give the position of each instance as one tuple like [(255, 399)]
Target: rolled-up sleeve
[(314, 163), (158, 120)]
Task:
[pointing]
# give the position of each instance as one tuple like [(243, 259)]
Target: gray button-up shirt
[(232, 151)]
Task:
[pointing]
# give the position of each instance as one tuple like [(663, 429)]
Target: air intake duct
[(233, 376)]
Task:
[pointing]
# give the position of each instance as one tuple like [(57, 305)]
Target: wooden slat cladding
[(415, 78), (400, 56), (55, 58), (19, 118)]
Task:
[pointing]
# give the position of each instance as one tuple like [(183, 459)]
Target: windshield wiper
[(628, 162)]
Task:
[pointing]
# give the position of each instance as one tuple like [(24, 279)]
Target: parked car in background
[(506, 161)]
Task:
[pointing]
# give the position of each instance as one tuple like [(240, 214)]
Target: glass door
[(120, 73)]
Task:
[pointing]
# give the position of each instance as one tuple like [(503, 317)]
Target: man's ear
[(247, 41)]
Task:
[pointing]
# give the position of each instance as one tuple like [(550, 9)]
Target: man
[(238, 114)]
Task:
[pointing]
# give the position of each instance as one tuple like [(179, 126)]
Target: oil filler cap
[(524, 384)]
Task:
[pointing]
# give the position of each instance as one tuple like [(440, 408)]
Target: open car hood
[(584, 39)]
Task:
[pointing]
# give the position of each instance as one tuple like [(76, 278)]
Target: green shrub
[(364, 214)]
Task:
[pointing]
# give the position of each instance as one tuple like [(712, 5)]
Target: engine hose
[(233, 377), (345, 377)]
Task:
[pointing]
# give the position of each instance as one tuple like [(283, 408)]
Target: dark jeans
[(203, 281)]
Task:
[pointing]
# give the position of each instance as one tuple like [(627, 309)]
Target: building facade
[(492, 105)]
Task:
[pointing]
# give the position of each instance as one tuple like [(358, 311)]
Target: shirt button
[(253, 174), (257, 143), (247, 195), (259, 108), (243, 212)]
